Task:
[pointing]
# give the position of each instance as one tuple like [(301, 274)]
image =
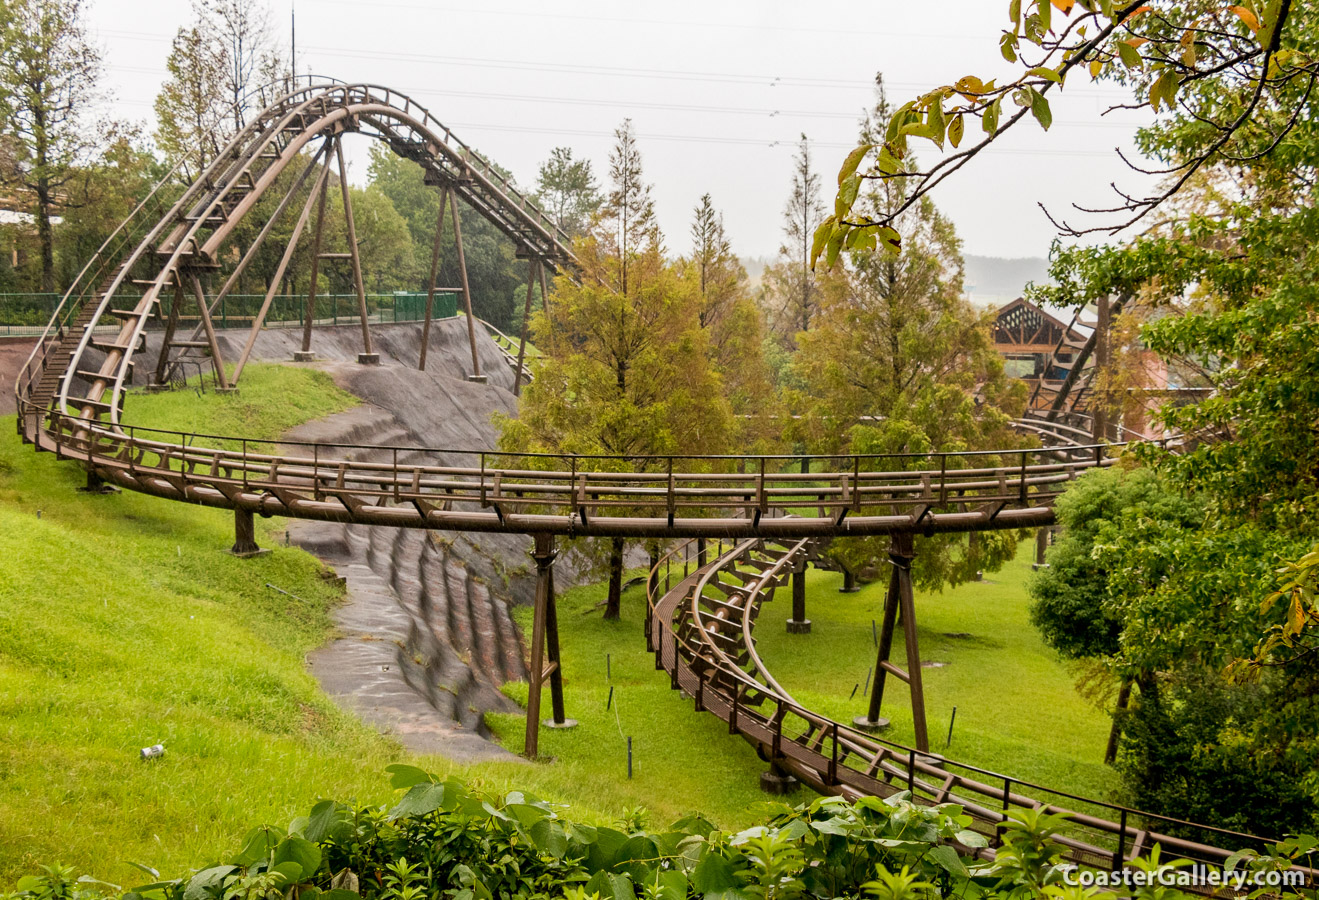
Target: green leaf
[(989, 122), (1164, 90), (671, 885), (401, 776), (420, 800), (301, 852), (256, 846), (853, 160), (946, 857), (206, 883), (835, 245), (847, 192), (1039, 107), (327, 820), (1007, 45), (822, 232), (890, 238), (339, 894), (549, 837), (1046, 73), (1130, 56), (713, 873)]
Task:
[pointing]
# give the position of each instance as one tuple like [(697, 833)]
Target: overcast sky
[(719, 93)]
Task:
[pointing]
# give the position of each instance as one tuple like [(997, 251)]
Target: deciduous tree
[(49, 84)]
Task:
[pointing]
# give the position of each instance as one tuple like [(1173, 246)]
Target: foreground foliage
[(444, 840)]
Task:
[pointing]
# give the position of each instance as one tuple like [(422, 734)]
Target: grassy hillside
[(123, 624)]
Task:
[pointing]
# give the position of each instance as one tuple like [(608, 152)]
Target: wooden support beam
[(209, 327), (544, 642), (279, 272), (467, 291), (430, 285), (259, 241), (316, 239), (351, 228), (162, 363), (526, 316)]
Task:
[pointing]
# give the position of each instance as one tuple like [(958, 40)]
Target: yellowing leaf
[(1135, 43), (853, 160), (1096, 66), (955, 130), (1134, 13), (1046, 73), (1245, 15), (1064, 6)]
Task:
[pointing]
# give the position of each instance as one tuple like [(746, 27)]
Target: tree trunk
[(1115, 733), (614, 603)]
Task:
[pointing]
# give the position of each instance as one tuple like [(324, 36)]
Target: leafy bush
[(443, 840)]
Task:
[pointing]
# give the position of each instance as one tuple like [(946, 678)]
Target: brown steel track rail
[(700, 626)]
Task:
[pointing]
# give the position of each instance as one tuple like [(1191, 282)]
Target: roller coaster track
[(701, 628), (767, 511)]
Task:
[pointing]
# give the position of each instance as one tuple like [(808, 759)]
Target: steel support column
[(367, 355), (899, 597), (799, 624), (467, 290), (305, 355), (544, 643), (430, 285), (172, 323), (279, 272), (209, 327), (245, 544)]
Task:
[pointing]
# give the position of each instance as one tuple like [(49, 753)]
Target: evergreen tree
[(567, 190)]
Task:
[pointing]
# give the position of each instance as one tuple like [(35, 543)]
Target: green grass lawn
[(683, 761), (1018, 711)]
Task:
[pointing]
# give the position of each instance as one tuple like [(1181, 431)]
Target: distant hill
[(993, 280)]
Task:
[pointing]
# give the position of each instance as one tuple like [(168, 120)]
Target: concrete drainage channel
[(426, 637)]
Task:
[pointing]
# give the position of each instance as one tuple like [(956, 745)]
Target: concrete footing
[(802, 627), (873, 726), (564, 725), (368, 359), (778, 783), (304, 356), (477, 379)]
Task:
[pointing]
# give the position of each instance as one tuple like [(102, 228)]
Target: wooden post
[(526, 315), (209, 328), (544, 642), (873, 720), (908, 605), (1041, 546), (171, 323), (467, 290), (430, 286), (366, 356), (315, 270)]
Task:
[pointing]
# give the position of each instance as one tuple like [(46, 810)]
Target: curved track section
[(701, 628), (71, 393)]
